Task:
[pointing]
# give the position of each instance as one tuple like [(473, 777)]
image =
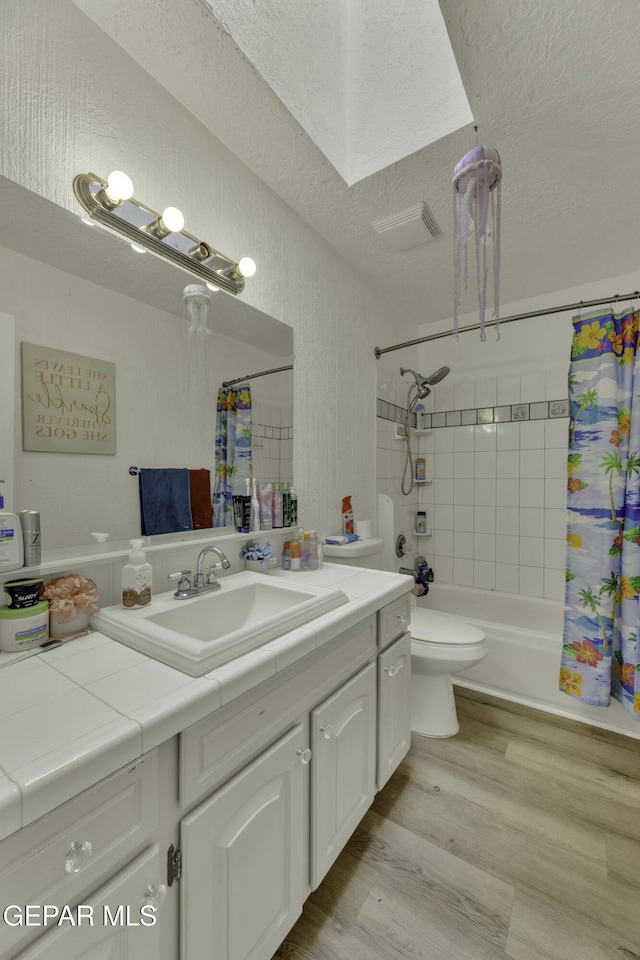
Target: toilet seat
[(431, 628)]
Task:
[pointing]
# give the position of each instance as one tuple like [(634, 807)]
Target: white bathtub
[(524, 636)]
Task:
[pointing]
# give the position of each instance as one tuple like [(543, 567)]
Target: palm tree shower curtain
[(600, 656), (233, 451)]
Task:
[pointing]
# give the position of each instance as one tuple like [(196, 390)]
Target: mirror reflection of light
[(213, 287), (137, 248), (89, 222)]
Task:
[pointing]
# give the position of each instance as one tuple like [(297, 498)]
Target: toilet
[(441, 644)]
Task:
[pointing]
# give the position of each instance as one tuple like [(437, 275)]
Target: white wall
[(166, 393), (498, 501), (73, 102)]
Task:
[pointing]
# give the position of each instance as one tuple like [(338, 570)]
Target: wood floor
[(519, 837)]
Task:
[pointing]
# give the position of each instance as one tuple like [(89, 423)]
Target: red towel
[(200, 494)]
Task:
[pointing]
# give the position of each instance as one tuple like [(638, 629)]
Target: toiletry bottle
[(286, 505), (421, 521), (286, 555), (11, 543), (295, 554), (313, 550), (347, 516), (30, 523), (421, 471), (293, 508), (304, 552), (255, 508), (265, 498), (419, 416), (277, 506), (136, 578)]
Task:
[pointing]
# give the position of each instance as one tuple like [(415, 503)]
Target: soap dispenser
[(136, 578), (11, 544)]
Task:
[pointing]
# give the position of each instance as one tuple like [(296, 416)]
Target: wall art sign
[(68, 402)]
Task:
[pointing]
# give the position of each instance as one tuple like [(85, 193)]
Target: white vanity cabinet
[(394, 707), (64, 856), (111, 924), (233, 822), (343, 747), (245, 852)]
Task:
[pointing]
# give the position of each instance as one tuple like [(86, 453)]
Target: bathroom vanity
[(245, 786)]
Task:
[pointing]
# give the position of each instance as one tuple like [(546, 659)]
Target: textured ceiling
[(555, 87)]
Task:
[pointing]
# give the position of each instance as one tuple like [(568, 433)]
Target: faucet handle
[(183, 577)]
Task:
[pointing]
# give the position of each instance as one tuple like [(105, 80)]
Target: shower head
[(437, 376), (423, 383)]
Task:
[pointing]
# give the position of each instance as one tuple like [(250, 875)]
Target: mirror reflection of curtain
[(233, 451), (601, 655)]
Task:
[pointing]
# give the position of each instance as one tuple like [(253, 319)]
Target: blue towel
[(165, 505)]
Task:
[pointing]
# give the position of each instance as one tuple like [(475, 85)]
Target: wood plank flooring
[(518, 838)]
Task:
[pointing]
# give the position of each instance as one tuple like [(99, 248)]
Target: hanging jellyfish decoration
[(476, 212)]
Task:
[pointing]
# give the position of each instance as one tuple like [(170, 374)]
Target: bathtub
[(524, 637)]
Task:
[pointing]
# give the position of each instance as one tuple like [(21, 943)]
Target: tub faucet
[(211, 582)]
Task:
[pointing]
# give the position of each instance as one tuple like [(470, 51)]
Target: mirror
[(77, 288)]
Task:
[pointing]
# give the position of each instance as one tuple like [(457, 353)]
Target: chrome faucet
[(201, 584), (211, 581)]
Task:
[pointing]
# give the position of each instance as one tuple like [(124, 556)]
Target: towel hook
[(134, 471)]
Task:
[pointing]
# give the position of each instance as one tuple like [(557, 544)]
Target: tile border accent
[(502, 413)]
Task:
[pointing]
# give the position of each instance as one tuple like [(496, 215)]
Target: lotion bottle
[(11, 543), (136, 578)]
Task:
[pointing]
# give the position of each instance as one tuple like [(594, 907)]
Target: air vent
[(408, 228)]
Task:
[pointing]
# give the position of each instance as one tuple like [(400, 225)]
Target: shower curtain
[(233, 451), (600, 656)]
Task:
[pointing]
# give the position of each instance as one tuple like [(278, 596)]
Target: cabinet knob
[(402, 617), (327, 731), (391, 670), (304, 754), (155, 895), (77, 855)]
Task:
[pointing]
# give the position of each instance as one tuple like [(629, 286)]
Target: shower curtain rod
[(252, 376), (582, 305)]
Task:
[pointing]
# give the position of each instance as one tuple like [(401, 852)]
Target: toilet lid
[(436, 627)]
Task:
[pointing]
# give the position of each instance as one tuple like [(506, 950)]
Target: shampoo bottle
[(255, 508), (293, 508), (136, 578), (11, 543)]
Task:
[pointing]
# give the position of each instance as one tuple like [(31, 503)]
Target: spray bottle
[(347, 516)]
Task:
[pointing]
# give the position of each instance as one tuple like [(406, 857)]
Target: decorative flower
[(69, 594), (257, 551), (636, 703), (625, 673), (570, 682), (587, 653), (590, 335), (574, 539)]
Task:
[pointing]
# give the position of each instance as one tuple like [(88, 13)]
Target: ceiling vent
[(409, 228)]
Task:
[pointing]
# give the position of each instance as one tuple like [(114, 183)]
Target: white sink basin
[(204, 632)]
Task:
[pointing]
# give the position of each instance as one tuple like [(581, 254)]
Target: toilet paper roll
[(364, 529)]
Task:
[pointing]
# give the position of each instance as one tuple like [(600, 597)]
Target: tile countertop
[(77, 713)]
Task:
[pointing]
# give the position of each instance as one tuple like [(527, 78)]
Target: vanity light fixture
[(111, 203)]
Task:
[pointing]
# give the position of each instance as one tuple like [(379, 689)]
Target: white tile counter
[(73, 715)]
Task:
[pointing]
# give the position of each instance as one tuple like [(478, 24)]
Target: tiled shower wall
[(496, 500)]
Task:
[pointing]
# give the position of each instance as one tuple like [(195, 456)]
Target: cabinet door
[(394, 707), (245, 858), (124, 933), (343, 741)]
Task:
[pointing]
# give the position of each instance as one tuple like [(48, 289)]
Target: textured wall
[(73, 101)]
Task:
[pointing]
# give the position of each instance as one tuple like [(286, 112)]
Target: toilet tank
[(360, 553)]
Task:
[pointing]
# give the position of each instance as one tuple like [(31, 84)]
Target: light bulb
[(213, 287), (119, 187), (172, 219), (247, 267)]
